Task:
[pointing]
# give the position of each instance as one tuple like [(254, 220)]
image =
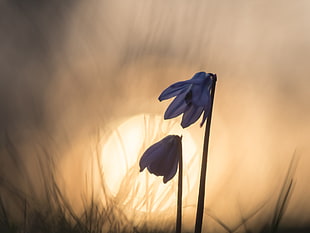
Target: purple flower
[(192, 99), (162, 158)]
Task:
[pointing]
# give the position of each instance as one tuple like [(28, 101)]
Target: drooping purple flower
[(162, 158), (192, 99)]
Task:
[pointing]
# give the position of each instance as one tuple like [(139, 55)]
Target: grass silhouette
[(24, 212)]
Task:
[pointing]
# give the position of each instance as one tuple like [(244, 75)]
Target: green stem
[(201, 195), (179, 200)]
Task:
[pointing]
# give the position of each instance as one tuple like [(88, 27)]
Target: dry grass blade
[(285, 194)]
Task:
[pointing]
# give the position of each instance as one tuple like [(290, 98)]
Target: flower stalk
[(201, 195), (178, 227)]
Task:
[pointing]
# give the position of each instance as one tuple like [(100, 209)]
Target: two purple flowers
[(192, 98)]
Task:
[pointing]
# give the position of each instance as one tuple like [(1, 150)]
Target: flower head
[(192, 98), (162, 158)]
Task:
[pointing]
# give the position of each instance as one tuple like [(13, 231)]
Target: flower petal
[(174, 90), (167, 167), (162, 165), (177, 106), (176, 157), (201, 93), (201, 77), (198, 78), (173, 167), (153, 153), (191, 115), (206, 113), (206, 98), (158, 167)]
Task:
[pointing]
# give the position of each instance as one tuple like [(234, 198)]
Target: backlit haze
[(74, 73)]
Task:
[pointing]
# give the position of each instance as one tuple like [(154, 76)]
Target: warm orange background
[(72, 71)]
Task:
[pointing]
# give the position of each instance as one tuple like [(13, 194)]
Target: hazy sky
[(68, 68)]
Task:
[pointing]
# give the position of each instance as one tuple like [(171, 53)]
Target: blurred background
[(72, 72)]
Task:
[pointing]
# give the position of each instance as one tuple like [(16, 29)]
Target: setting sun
[(120, 157)]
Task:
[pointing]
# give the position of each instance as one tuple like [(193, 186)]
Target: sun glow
[(122, 151)]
